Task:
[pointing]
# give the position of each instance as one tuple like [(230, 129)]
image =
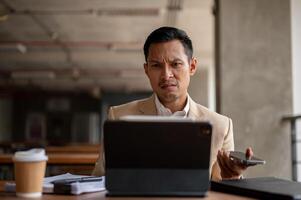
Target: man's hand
[(231, 169)]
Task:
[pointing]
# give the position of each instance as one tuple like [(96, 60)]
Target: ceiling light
[(5, 10), (22, 48)]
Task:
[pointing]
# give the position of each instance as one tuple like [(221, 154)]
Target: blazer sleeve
[(99, 168), (228, 143), (111, 114)]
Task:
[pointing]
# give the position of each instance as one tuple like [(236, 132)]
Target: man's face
[(169, 69)]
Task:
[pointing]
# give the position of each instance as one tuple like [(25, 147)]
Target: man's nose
[(167, 72)]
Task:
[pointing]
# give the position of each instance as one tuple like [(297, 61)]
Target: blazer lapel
[(148, 107), (194, 111)]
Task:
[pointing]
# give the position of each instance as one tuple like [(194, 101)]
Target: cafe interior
[(63, 63)]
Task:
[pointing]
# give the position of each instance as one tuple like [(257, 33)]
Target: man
[(169, 64)]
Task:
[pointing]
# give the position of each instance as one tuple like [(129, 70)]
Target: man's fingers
[(228, 167), (249, 152), (224, 171), (231, 168)]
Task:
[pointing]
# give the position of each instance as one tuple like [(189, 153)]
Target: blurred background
[(64, 62)]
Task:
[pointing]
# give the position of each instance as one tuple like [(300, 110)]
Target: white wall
[(296, 70)]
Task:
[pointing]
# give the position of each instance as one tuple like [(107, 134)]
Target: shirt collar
[(163, 111)]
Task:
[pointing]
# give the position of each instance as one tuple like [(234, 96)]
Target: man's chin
[(168, 98)]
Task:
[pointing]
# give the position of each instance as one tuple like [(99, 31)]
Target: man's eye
[(155, 65), (177, 64)]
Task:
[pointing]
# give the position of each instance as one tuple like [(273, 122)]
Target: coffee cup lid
[(31, 155)]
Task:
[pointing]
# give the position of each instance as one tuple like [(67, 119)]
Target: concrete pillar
[(256, 79)]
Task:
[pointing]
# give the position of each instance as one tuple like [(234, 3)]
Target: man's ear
[(192, 66), (145, 68)]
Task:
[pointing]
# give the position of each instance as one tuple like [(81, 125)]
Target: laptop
[(162, 157)]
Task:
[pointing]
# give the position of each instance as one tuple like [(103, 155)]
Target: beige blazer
[(222, 135)]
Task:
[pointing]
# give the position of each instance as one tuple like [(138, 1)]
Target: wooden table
[(80, 148), (85, 158), (101, 196)]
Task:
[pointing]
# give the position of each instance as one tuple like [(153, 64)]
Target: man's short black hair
[(166, 34)]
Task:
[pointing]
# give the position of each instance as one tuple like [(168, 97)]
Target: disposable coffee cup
[(30, 169)]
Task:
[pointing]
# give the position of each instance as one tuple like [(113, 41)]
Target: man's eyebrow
[(156, 61), (177, 59)]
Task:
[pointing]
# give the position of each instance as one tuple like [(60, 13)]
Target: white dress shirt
[(163, 111)]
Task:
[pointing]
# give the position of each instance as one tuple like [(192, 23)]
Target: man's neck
[(176, 105)]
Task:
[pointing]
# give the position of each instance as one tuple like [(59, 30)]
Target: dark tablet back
[(261, 188), (159, 158)]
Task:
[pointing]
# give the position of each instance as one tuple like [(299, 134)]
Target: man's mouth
[(168, 85)]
